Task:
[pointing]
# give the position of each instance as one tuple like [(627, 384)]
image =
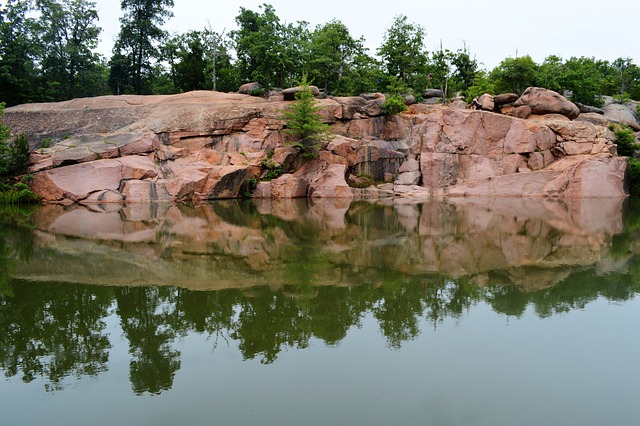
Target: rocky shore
[(206, 145)]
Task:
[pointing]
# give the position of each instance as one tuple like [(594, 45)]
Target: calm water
[(470, 312)]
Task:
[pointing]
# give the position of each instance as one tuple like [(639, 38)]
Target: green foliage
[(14, 157), (584, 80), (625, 139), (335, 58), (304, 123), (403, 51), (18, 193), (18, 52), (514, 75), (633, 176), (68, 34), (621, 98), (135, 48), (274, 170), (466, 69), (550, 73), (394, 104), (481, 84), (269, 51)]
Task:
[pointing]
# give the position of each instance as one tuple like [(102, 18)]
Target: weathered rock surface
[(621, 113), (544, 101), (290, 93), (208, 145), (486, 102), (432, 93), (505, 98)]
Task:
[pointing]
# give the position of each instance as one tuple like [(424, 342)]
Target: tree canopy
[(48, 53)]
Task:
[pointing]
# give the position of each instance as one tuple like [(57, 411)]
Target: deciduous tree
[(136, 48)]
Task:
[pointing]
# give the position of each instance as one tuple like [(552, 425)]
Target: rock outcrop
[(208, 145), (544, 101)]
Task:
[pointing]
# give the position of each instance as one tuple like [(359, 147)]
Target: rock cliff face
[(209, 145)]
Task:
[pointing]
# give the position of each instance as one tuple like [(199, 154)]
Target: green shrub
[(19, 193), (625, 139), (633, 176), (274, 170), (304, 123), (394, 105), (621, 98), (46, 143)]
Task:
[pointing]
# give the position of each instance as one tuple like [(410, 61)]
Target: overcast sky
[(492, 29)]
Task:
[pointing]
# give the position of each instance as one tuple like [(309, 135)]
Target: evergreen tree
[(304, 123)]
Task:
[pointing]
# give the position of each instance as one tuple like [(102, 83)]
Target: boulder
[(289, 186), (290, 93), (76, 182), (252, 88), (408, 178), (587, 109), (458, 104), (486, 102), (544, 101), (409, 99), (351, 105), (373, 108), (330, 183), (481, 133), (410, 166), (504, 99), (593, 118), (622, 113), (432, 93), (523, 111), (263, 190)]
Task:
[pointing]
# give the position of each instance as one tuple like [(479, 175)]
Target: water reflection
[(270, 276)]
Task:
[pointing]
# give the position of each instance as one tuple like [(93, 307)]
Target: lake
[(327, 312)]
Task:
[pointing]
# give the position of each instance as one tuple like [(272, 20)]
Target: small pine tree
[(304, 123)]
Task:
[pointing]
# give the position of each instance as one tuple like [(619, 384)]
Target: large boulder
[(505, 98), (622, 113), (252, 88), (586, 109), (290, 93), (544, 101), (432, 93), (486, 102), (594, 118)]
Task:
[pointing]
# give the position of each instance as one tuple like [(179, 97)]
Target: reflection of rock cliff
[(209, 145), (535, 243)]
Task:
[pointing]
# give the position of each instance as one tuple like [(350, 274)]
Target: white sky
[(492, 29)]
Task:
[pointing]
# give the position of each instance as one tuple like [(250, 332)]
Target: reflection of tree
[(208, 312), (16, 239), (54, 331), (398, 308), (269, 321), (148, 318)]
